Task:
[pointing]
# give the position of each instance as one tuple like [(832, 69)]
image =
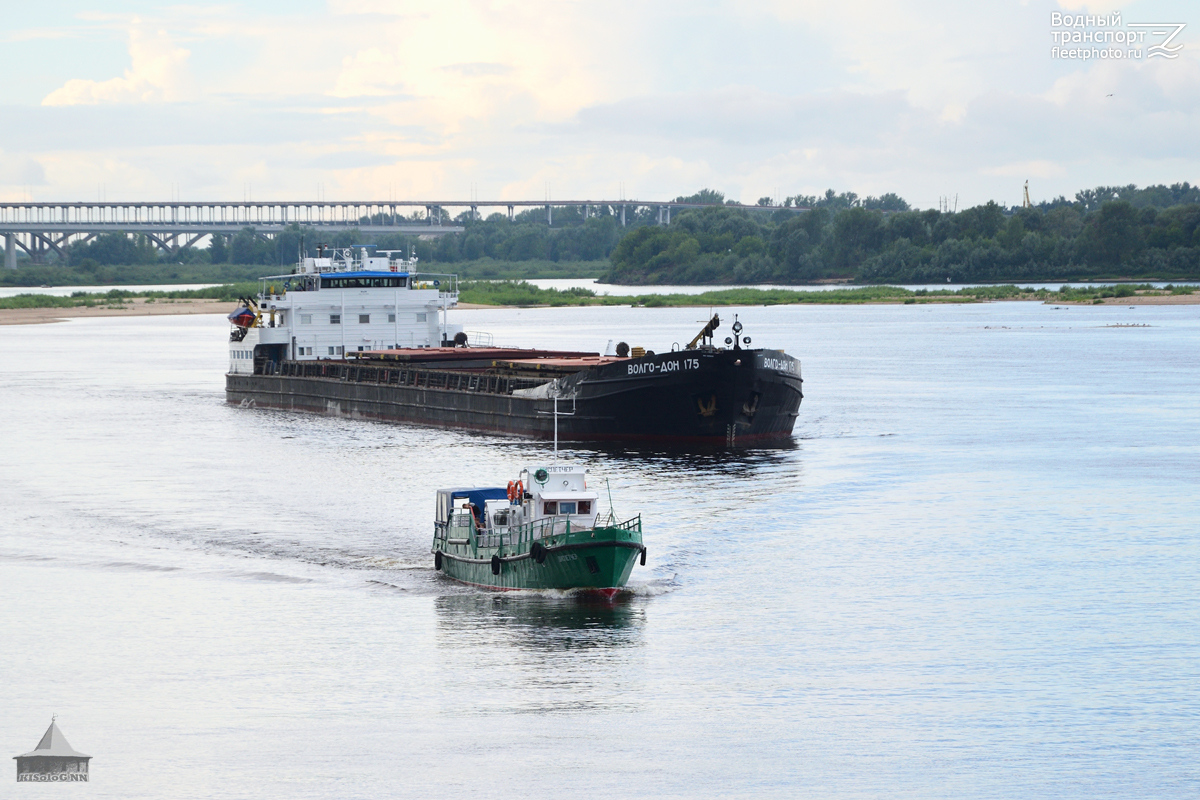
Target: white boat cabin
[(342, 303), (547, 498)]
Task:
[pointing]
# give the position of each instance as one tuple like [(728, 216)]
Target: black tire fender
[(643, 556), (495, 565), (537, 552), (437, 560)]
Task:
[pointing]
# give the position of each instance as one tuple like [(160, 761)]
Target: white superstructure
[(342, 303)]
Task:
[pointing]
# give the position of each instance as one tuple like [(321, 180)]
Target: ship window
[(360, 349), (306, 319), (391, 317), (566, 507), (331, 351), (421, 317), (364, 319), (335, 319), (341, 351), (585, 506), (550, 508)]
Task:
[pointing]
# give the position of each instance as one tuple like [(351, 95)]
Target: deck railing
[(545, 528)]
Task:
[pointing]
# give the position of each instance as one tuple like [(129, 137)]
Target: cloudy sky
[(378, 99)]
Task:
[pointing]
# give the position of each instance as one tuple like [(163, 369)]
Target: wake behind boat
[(363, 335)]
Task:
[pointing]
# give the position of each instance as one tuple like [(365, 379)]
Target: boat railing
[(538, 529), (609, 520), (459, 529), (445, 283)]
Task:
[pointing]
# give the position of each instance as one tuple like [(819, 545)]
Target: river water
[(972, 575)]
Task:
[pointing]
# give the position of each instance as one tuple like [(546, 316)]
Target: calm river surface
[(974, 575)]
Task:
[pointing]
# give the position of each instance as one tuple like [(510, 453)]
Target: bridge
[(41, 228)]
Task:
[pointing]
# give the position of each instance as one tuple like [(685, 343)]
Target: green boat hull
[(599, 559)]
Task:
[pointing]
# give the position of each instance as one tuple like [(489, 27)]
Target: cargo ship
[(364, 334), (545, 530)]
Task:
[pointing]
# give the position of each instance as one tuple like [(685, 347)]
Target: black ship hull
[(703, 396)]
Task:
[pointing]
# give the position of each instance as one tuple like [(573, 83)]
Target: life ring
[(516, 490)]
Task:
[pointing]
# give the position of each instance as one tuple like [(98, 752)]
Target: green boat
[(542, 531)]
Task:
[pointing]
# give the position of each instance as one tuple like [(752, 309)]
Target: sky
[(378, 99)]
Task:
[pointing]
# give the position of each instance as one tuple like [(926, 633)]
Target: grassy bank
[(520, 293), (115, 297), (165, 274)]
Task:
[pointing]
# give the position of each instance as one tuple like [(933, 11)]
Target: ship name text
[(650, 368)]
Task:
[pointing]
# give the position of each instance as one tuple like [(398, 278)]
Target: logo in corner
[(53, 760)]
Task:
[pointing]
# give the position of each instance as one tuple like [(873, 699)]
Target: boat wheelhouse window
[(364, 319), (391, 317), (306, 319), (331, 351), (335, 319), (585, 506), (372, 282), (566, 507), (360, 348), (549, 508), (421, 316)]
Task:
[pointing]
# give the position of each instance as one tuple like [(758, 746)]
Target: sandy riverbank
[(132, 308), (141, 308), (1136, 300)]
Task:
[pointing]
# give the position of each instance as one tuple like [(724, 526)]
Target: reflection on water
[(525, 653), (541, 622)]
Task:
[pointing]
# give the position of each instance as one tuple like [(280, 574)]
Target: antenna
[(612, 512)]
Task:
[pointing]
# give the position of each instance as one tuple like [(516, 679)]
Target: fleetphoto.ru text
[(1097, 36)]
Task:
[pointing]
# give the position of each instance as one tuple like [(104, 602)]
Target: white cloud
[(157, 72), (921, 97)]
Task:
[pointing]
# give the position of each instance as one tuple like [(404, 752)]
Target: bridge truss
[(41, 228)]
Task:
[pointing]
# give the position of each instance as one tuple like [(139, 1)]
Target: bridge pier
[(10, 251), (622, 216), (510, 213), (549, 215)]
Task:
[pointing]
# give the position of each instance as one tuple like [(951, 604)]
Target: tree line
[(1109, 231), (1104, 233)]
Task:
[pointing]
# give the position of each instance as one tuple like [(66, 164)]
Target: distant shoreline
[(139, 307)]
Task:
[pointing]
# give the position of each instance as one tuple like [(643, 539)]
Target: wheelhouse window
[(421, 316), (566, 507), (391, 317), (335, 319), (306, 319), (364, 319), (549, 508), (585, 506), (364, 282)]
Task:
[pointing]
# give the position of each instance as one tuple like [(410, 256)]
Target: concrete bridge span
[(41, 228)]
